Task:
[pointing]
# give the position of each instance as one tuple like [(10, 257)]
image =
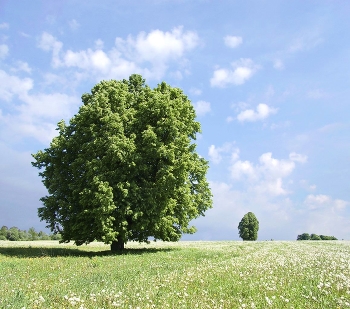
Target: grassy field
[(271, 274)]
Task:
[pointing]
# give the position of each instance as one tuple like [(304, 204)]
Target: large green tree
[(125, 167), (248, 227)]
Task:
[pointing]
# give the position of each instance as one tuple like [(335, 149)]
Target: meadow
[(226, 274)]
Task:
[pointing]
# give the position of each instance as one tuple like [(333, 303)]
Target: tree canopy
[(125, 167), (248, 227)]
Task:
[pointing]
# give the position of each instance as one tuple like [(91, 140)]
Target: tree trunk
[(117, 245)]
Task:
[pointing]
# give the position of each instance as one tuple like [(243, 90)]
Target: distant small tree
[(304, 236), (324, 237), (3, 231), (23, 235), (315, 237), (13, 234), (248, 227), (43, 236), (33, 235)]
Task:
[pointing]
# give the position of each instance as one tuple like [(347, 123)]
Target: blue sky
[(269, 81)]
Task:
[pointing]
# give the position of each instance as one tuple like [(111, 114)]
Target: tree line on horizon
[(15, 234), (307, 236)]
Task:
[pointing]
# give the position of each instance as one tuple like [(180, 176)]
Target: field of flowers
[(271, 274)]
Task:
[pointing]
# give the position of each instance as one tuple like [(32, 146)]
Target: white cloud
[(87, 60), (297, 157), (22, 66), (39, 114), (266, 177), (158, 46), (73, 24), (4, 26), (262, 112), (202, 108), (12, 85), (48, 42), (242, 168), (241, 71), (47, 106), (215, 153), (233, 41), (149, 54), (36, 115), (321, 201), (234, 153), (316, 201), (4, 50)]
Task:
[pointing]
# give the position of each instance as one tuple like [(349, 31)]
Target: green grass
[(176, 275)]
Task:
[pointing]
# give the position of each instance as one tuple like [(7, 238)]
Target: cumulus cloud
[(320, 201), (36, 114), (215, 153), (262, 112), (89, 59), (202, 108), (12, 85), (22, 66), (148, 53), (158, 46), (233, 41), (266, 176), (241, 71), (47, 42), (243, 168), (39, 114)]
